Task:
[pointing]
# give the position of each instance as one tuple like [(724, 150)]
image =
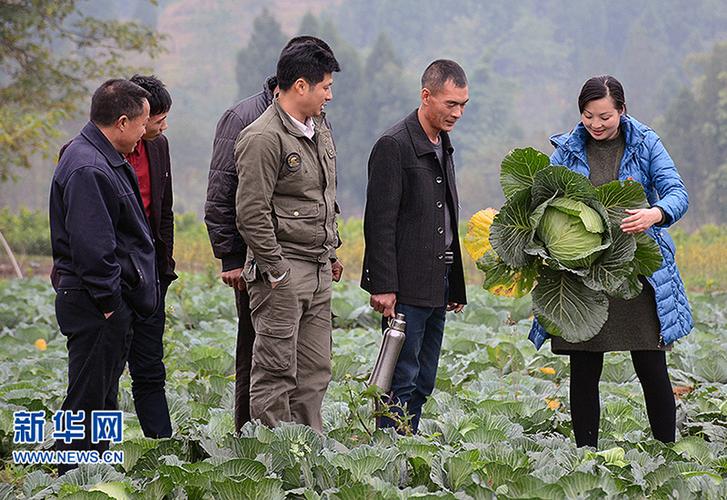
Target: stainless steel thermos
[(393, 340)]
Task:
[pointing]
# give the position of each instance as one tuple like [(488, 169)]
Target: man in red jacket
[(150, 159)]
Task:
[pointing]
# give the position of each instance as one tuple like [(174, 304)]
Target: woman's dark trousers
[(585, 404)]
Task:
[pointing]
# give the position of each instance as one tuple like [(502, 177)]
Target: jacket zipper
[(660, 242)]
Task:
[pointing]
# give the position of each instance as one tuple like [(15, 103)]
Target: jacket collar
[(634, 131), (422, 144), (292, 128), (575, 141), (93, 135), (268, 87)]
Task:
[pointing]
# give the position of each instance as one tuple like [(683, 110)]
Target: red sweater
[(140, 161)]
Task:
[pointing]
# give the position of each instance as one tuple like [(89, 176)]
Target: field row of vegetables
[(497, 426)]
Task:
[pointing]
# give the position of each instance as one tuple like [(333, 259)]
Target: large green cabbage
[(560, 237), (572, 232)]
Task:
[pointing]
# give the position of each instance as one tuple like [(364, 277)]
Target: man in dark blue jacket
[(105, 269)]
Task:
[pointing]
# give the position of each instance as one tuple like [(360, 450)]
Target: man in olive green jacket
[(286, 163)]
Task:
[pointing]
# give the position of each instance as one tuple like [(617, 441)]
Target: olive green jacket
[(286, 194)]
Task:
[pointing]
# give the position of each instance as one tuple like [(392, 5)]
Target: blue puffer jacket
[(645, 160)]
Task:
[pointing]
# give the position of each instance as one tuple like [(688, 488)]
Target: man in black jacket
[(220, 218), (150, 160), (412, 262), (105, 270), (227, 243)]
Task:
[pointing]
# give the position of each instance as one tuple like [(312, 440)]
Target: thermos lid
[(398, 323)]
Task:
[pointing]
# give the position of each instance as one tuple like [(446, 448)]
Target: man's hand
[(108, 314), (336, 270), (640, 220), (233, 278), (454, 306), (385, 303), (274, 282)]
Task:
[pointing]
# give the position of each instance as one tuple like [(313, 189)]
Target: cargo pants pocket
[(274, 346)]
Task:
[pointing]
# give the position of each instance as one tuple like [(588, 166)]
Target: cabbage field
[(498, 425)]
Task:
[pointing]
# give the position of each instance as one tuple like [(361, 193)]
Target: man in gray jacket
[(220, 213)]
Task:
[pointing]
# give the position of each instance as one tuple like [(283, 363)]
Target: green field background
[(497, 426), (701, 254)]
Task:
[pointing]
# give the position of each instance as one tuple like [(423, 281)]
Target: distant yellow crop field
[(701, 255)]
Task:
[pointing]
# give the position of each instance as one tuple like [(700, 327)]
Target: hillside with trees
[(525, 61)]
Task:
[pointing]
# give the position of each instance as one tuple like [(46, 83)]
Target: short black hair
[(272, 81), (307, 60), (439, 72), (598, 87), (307, 38), (116, 98), (159, 100)]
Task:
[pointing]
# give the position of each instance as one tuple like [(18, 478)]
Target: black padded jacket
[(219, 208)]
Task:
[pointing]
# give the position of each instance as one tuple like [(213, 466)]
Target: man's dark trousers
[(97, 352), (148, 375), (243, 357), (416, 370), (415, 373)]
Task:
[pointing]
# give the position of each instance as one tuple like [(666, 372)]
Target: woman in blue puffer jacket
[(606, 145)]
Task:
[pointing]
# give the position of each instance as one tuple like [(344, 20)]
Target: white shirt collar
[(308, 128)]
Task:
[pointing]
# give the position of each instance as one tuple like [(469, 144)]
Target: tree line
[(525, 65), (525, 62)]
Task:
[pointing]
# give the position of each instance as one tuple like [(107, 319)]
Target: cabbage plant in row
[(558, 236)]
